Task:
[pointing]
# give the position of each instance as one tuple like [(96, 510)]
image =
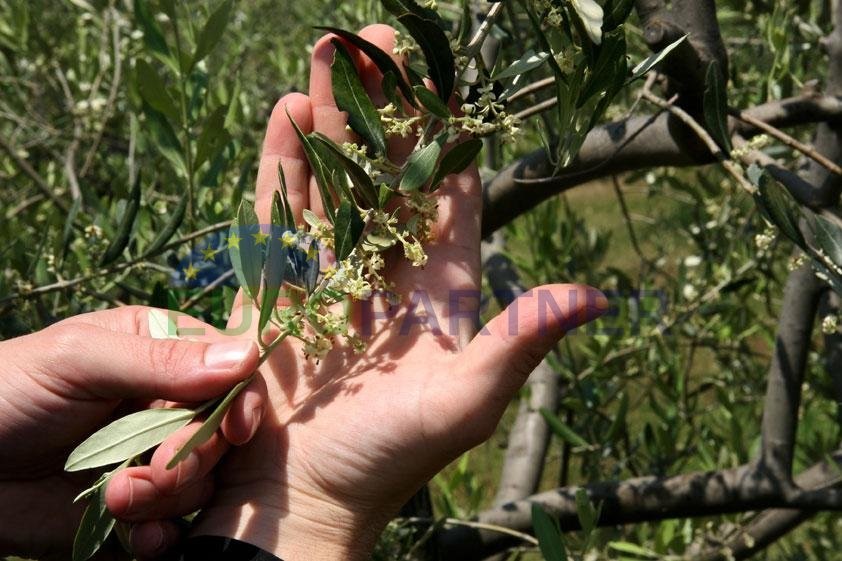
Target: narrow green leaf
[(162, 324), (121, 240), (603, 73), (779, 208), (619, 421), (585, 511), (437, 54), (213, 137), (154, 91), (652, 60), (400, 8), (212, 32), (389, 86), (127, 437), (101, 481), (311, 269), (528, 62), (273, 271), (379, 57), (211, 424), (829, 239), (456, 160), (152, 35), (421, 164), (360, 179), (166, 141), (324, 169), (348, 229), (548, 534), (170, 228), (288, 218), (633, 549), (716, 107), (562, 430), (67, 231), (590, 15), (350, 96), (94, 529), (432, 102), (616, 14), (246, 253)]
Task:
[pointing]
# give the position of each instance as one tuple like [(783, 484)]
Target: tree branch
[(631, 144)]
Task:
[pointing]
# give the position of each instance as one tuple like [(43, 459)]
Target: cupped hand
[(346, 441), (63, 383)]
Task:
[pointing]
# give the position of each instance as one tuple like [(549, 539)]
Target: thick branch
[(771, 525), (639, 500), (634, 143), (786, 374)]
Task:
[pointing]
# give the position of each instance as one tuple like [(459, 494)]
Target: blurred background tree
[(129, 131)]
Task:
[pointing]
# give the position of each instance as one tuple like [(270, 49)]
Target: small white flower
[(829, 324), (692, 261), (689, 292)]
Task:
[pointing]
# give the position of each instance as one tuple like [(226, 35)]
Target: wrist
[(306, 529)]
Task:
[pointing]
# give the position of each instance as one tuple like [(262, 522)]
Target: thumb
[(118, 365), (500, 358)]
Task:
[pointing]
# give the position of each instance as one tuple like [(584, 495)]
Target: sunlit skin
[(346, 441)]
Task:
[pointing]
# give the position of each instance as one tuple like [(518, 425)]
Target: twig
[(793, 143), (219, 281), (477, 525), (475, 45), (536, 109), (732, 168), (39, 181), (532, 88)]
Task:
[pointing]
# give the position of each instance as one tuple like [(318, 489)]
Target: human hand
[(62, 383), (347, 441)]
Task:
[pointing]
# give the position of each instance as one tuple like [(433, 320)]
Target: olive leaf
[(778, 206), (212, 32), (421, 164), (562, 430), (549, 536), (273, 271), (153, 90), (121, 240), (162, 324), (590, 14), (585, 511), (152, 35), (432, 102), (323, 167), (170, 228), (210, 425), (437, 53), (456, 160), (350, 96), (348, 229), (652, 60), (604, 73), (389, 86), (246, 253), (380, 58), (288, 220), (528, 62), (616, 13), (311, 267), (359, 177), (102, 480), (829, 238), (213, 137), (94, 528), (127, 437), (400, 8), (715, 104), (633, 549)]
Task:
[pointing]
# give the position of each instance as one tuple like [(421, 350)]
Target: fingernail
[(256, 417), (140, 488), (187, 470), (156, 539), (227, 355), (599, 299)]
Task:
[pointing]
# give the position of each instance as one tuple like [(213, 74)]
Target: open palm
[(347, 440)]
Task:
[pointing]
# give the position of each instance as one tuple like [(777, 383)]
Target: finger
[(135, 321), (327, 118), (190, 470), (83, 356), (132, 496), (282, 147), (246, 413), (500, 358), (150, 540)]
